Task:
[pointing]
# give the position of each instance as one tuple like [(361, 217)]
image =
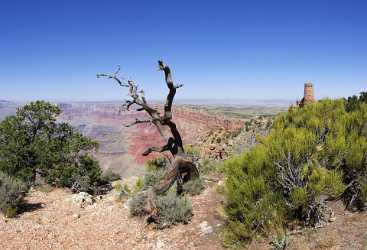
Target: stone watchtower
[(308, 96)]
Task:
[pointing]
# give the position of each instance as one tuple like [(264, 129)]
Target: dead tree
[(182, 167)]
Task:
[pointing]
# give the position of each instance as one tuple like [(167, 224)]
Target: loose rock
[(205, 228), (83, 199)]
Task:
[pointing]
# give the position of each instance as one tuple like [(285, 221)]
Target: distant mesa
[(65, 106)]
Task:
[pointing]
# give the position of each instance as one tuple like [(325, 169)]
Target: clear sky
[(218, 49)]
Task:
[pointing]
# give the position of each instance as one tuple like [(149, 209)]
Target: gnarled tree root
[(181, 171)]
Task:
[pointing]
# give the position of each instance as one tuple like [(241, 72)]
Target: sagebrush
[(12, 192), (171, 209)]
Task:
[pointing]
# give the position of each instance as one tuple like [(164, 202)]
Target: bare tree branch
[(169, 146), (137, 122), (114, 77), (172, 90)]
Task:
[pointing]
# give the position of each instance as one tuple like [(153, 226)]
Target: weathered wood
[(182, 168)]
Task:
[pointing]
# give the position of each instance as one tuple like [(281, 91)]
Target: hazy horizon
[(178, 101)]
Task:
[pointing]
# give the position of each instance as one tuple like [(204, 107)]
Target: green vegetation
[(280, 242), (33, 145), (157, 163), (191, 151), (137, 204), (206, 166), (353, 102), (155, 171), (194, 187), (139, 184), (243, 112), (111, 176), (313, 153), (171, 209), (12, 192)]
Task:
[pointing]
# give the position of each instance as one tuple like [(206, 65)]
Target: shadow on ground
[(30, 207)]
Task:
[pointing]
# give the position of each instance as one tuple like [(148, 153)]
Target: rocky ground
[(54, 219), (348, 231)]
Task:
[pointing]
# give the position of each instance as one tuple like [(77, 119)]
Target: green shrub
[(123, 191), (152, 177), (194, 187), (310, 153), (192, 151), (137, 204), (206, 166), (173, 209), (252, 208), (85, 175), (82, 183), (45, 188), (12, 192), (280, 242), (155, 171), (111, 176), (139, 184), (157, 163), (342, 146), (126, 189), (353, 102)]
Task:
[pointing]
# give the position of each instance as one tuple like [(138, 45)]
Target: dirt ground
[(52, 221), (349, 231)]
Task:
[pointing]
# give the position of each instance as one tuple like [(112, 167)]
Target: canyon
[(120, 147)]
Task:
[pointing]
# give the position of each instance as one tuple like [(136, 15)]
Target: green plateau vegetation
[(310, 155), (246, 112)]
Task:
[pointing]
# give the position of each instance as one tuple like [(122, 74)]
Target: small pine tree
[(33, 143)]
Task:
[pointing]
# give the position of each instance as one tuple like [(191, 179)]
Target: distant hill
[(7, 108), (236, 103), (271, 106)]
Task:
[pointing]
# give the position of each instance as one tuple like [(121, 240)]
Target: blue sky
[(218, 49)]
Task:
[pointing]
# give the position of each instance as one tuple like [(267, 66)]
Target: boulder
[(83, 199), (76, 216)]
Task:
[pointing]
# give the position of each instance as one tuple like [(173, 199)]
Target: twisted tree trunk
[(182, 168)]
